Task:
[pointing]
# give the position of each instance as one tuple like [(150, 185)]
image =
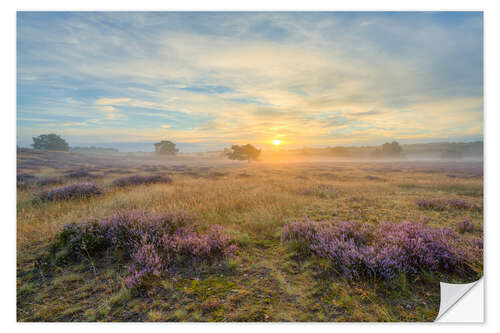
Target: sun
[(276, 142)]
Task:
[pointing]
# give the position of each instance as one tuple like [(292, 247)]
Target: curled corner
[(455, 306)]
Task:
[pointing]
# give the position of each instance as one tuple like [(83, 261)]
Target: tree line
[(249, 152)]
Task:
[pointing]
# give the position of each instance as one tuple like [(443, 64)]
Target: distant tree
[(392, 149), (243, 152), (50, 142), (166, 148)]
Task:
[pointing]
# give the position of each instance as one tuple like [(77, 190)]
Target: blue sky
[(209, 80)]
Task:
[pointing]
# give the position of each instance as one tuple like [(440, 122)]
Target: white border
[(8, 103)]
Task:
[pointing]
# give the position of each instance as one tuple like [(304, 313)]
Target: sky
[(208, 80)]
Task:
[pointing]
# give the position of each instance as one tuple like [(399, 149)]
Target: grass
[(265, 280)]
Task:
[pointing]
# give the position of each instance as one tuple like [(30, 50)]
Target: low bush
[(447, 204), (357, 250), (80, 174), (153, 243), (74, 191), (44, 181), (320, 190), (24, 177), (138, 180), (465, 225), (25, 180)]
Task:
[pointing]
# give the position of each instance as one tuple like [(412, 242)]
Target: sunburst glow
[(276, 142)]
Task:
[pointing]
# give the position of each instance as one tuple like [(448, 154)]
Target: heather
[(447, 204), (383, 251), (80, 174), (465, 225), (25, 179), (85, 279), (320, 190), (45, 181), (140, 180), (151, 243), (73, 191)]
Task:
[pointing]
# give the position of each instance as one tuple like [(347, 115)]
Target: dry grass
[(265, 281)]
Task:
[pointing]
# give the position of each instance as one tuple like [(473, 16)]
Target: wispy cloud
[(307, 78)]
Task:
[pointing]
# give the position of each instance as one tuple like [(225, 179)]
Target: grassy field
[(265, 279)]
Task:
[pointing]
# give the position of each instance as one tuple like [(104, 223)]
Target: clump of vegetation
[(465, 225), (370, 177), (392, 149), (80, 174), (138, 180), (243, 152), (50, 142), (320, 190), (73, 191), (447, 204), (44, 181), (25, 179), (357, 250), (152, 243), (166, 148)]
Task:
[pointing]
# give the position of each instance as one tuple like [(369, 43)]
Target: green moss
[(209, 287)]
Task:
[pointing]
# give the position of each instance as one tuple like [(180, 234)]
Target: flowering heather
[(44, 181), (152, 242), (382, 251), (320, 190), (25, 180), (447, 204), (80, 174), (138, 180), (74, 191), (25, 177)]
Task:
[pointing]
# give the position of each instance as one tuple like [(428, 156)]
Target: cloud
[(309, 78), (112, 101), (107, 108), (366, 113)]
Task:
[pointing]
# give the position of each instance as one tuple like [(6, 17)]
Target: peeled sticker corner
[(461, 303)]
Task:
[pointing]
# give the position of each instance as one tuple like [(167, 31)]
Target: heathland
[(148, 238)]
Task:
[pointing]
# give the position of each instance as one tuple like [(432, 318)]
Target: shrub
[(465, 225), (370, 177), (320, 190), (384, 251), (138, 180), (447, 204), (80, 174), (25, 180), (25, 177), (153, 243), (74, 191), (49, 181)]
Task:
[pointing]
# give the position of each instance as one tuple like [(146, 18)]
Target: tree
[(50, 142), (166, 148), (392, 149), (243, 152)]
